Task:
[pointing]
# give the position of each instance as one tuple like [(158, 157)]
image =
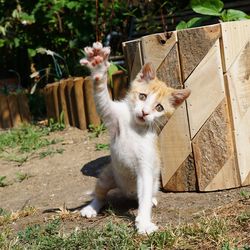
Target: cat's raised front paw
[(146, 227), (88, 212), (96, 60)]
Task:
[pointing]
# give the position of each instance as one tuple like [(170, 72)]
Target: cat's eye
[(159, 108), (142, 97)]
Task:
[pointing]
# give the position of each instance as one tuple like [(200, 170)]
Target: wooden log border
[(14, 110), (74, 97)]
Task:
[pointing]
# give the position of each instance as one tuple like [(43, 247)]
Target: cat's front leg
[(143, 221)]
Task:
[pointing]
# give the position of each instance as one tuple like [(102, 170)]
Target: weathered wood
[(62, 101), (79, 100), (55, 101), (49, 102), (14, 110), (133, 56), (184, 179), (5, 112), (24, 109), (214, 152), (155, 48), (194, 44), (120, 85), (235, 35), (91, 114), (175, 147), (169, 70), (70, 100), (207, 89), (238, 83)]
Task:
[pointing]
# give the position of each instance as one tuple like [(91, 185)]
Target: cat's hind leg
[(104, 184)]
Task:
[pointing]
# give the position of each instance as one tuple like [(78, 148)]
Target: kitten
[(134, 124)]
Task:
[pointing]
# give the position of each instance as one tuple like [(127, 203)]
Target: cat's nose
[(144, 113)]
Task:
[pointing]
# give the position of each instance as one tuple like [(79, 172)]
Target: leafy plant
[(96, 131), (57, 126), (3, 181), (101, 146), (22, 176), (211, 8)]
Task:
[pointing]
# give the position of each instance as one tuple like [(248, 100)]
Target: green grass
[(101, 146), (96, 131), (22, 143), (205, 233), (3, 182)]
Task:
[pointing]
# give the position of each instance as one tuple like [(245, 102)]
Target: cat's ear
[(147, 72), (178, 96)]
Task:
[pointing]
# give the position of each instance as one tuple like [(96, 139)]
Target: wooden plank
[(90, 109), (194, 44), (184, 179), (24, 109), (169, 70), (207, 89), (49, 102), (71, 107), (238, 84), (155, 48), (55, 101), (175, 146), (79, 99), (214, 152), (62, 101), (14, 111), (5, 112), (235, 35), (120, 85), (133, 57)]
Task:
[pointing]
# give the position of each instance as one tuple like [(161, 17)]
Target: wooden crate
[(14, 110), (206, 144), (74, 97)]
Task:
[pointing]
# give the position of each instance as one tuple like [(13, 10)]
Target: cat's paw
[(88, 212), (146, 227), (96, 60)]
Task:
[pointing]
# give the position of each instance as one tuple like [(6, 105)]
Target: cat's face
[(152, 102)]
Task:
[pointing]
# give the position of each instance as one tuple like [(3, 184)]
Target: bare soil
[(66, 180)]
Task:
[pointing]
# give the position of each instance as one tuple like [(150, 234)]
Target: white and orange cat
[(134, 124)]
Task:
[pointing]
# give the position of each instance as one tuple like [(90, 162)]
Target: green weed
[(57, 126), (101, 146), (245, 194), (22, 176), (50, 152), (3, 181), (96, 131), (20, 144)]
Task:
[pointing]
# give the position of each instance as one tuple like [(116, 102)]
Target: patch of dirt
[(66, 181)]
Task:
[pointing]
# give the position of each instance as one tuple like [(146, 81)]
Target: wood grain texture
[(169, 69), (133, 57), (156, 47), (194, 44), (62, 101), (120, 85), (79, 101), (184, 179), (70, 100), (50, 108), (54, 87), (175, 144), (91, 114), (235, 35), (213, 147), (238, 80), (5, 117), (24, 109), (207, 89), (14, 110)]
